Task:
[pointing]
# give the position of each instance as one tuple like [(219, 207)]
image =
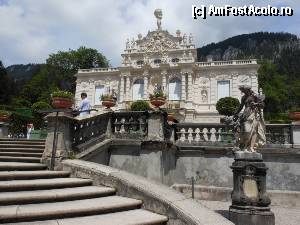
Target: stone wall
[(210, 166)]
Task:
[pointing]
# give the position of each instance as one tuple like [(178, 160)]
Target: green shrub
[(106, 97), (5, 113), (227, 106), (41, 105), (157, 94), (140, 106), (38, 120), (62, 94)]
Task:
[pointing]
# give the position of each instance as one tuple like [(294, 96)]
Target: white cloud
[(30, 30)]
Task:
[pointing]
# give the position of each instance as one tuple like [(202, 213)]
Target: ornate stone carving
[(158, 14)]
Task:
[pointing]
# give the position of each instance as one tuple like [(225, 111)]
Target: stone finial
[(178, 33), (140, 36), (158, 14)]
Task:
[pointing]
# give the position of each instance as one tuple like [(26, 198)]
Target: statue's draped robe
[(252, 133)]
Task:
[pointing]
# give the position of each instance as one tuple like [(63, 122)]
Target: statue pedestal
[(250, 203), (4, 129)]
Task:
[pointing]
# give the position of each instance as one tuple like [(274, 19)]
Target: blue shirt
[(84, 105)]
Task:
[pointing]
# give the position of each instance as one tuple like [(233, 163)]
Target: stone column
[(190, 86), (146, 85), (127, 88), (4, 129), (64, 137), (183, 90), (122, 88), (296, 134)]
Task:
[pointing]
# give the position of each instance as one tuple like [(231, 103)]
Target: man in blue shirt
[(84, 105)]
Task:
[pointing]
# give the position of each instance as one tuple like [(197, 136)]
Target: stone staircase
[(32, 195)]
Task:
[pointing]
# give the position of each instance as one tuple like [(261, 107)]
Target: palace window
[(140, 62), (138, 90), (175, 60), (223, 89), (157, 61), (99, 90), (175, 89)]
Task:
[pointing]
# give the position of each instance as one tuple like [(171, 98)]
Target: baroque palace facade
[(169, 61)]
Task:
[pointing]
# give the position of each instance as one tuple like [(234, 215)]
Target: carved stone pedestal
[(250, 203), (4, 129)]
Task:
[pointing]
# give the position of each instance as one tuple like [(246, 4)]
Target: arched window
[(99, 90), (175, 89), (138, 90), (157, 61)]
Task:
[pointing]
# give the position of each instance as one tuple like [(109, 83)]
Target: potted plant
[(158, 98), (294, 113), (4, 116), (108, 101), (62, 99)]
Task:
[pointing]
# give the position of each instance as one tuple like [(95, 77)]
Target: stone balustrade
[(197, 133), (227, 63), (92, 70), (129, 124), (277, 135)]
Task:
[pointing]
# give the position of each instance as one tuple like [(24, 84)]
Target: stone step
[(29, 175), (22, 139), (23, 142), (55, 210), (20, 159), (42, 184), (131, 217), (4, 146), (24, 154), (33, 150), (54, 195), (13, 166)]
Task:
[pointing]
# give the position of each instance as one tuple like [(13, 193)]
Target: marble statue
[(127, 44), (184, 39), (158, 14), (249, 126)]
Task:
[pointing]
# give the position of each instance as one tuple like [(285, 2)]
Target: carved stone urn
[(62, 103), (295, 116), (4, 118), (108, 103), (158, 101)]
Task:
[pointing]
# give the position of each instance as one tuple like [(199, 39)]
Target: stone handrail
[(227, 63), (156, 197)]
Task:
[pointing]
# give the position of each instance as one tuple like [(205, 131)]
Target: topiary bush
[(140, 106), (227, 106)]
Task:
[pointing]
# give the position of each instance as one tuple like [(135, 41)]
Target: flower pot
[(108, 103), (157, 102), (170, 116), (294, 116), (4, 118), (62, 103)]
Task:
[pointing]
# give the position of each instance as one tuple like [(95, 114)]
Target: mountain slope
[(261, 45)]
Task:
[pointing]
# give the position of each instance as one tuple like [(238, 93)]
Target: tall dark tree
[(59, 71), (5, 85)]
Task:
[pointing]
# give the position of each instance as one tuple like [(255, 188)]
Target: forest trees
[(58, 73)]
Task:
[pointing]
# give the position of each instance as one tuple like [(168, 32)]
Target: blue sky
[(30, 30)]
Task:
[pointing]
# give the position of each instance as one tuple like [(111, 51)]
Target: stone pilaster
[(146, 88), (190, 87), (122, 88), (127, 88), (183, 89), (164, 80), (235, 93), (254, 83), (214, 91)]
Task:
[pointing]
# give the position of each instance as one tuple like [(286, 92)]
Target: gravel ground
[(283, 215)]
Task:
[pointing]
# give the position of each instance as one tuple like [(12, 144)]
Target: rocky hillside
[(261, 45), (22, 72)]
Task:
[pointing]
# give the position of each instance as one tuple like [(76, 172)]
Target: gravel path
[(283, 215)]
